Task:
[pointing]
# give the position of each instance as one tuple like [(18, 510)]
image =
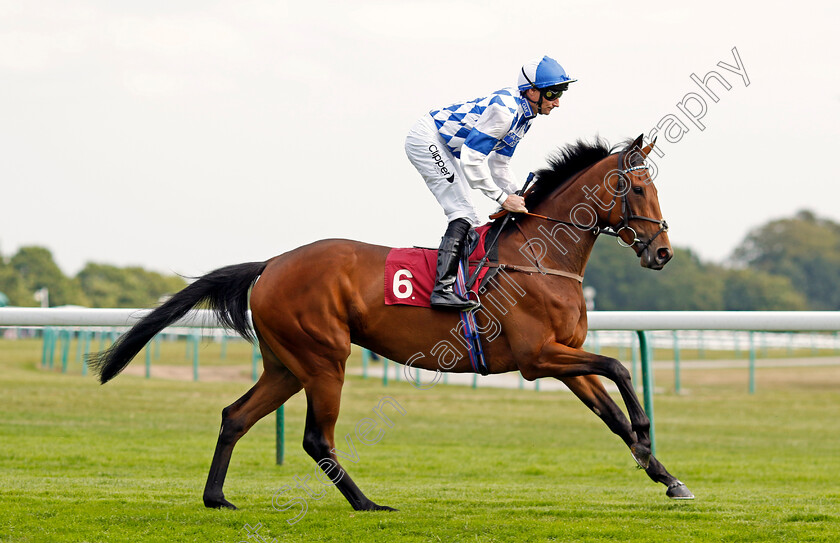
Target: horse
[(304, 321)]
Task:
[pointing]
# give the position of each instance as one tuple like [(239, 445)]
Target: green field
[(127, 461)]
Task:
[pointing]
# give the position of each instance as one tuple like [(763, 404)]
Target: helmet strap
[(528, 79)]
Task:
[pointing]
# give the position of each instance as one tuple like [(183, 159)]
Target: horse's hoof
[(370, 506), (678, 491), (218, 503), (641, 455)]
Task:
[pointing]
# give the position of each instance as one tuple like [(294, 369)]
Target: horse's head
[(633, 213), (588, 187)]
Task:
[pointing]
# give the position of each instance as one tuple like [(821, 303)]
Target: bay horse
[(310, 304)]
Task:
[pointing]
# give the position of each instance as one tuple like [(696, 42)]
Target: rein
[(533, 269)]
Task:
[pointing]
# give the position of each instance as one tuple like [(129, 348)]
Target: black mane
[(566, 162)]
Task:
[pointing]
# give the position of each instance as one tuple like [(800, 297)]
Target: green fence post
[(537, 384), (521, 382), (148, 361), (86, 337), (255, 356), (280, 428), (45, 347), (384, 371), (365, 362), (53, 339), (677, 383), (647, 377), (475, 380), (752, 364), (78, 335), (196, 342), (64, 335)]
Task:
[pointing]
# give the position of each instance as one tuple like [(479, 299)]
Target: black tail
[(225, 291)]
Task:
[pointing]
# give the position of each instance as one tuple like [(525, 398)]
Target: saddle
[(410, 272)]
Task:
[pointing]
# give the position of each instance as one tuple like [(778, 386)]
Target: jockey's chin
[(547, 106)]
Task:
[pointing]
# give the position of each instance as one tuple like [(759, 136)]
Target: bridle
[(627, 214)]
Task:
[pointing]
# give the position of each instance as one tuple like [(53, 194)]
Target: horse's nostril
[(663, 254)]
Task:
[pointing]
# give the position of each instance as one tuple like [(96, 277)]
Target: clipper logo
[(440, 163)]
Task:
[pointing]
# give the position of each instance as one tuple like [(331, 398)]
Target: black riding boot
[(449, 255)]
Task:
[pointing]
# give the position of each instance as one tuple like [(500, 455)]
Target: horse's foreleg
[(590, 390), (561, 361), (323, 397), (275, 386)]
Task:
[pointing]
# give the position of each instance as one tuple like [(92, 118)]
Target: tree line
[(97, 285), (785, 264)]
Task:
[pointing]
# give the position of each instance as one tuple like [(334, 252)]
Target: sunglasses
[(553, 93)]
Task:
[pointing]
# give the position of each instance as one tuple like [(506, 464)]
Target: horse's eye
[(638, 190)]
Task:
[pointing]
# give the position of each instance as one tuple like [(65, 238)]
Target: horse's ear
[(646, 151), (631, 152)]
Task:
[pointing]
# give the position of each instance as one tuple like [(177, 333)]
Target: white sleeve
[(502, 174), (491, 127)]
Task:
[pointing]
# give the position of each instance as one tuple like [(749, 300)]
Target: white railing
[(790, 321), (84, 316), (638, 321), (598, 320)]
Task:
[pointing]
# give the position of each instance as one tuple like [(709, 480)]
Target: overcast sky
[(184, 136)]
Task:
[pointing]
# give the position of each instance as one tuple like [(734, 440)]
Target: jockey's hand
[(515, 203)]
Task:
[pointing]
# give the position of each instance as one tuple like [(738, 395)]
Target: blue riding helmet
[(541, 73)]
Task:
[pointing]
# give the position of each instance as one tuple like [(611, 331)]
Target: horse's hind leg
[(276, 385), (323, 396), (590, 390)]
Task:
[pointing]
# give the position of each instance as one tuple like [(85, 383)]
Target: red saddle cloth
[(410, 273)]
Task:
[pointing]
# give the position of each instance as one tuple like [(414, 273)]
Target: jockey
[(469, 145)]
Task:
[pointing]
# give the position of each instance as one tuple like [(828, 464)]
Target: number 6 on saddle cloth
[(410, 278)]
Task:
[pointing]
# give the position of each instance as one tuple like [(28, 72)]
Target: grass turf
[(127, 462)]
